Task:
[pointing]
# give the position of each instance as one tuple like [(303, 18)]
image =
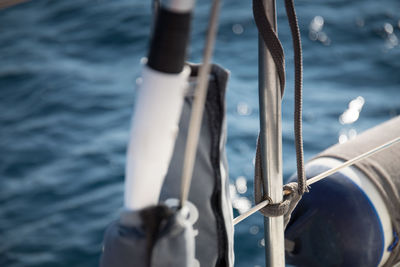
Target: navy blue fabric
[(335, 224)]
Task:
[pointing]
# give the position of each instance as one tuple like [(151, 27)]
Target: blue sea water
[(68, 70)]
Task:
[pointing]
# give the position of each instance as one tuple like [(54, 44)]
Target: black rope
[(275, 48), (271, 40), (298, 91)]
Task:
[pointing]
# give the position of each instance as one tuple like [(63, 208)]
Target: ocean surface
[(68, 72)]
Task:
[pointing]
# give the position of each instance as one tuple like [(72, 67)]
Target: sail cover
[(209, 189), (165, 236)]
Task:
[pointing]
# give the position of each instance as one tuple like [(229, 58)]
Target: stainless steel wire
[(198, 104), (322, 176)]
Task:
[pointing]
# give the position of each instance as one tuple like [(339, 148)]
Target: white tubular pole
[(153, 134), (271, 145)]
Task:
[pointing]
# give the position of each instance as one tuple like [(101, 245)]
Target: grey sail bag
[(166, 236)]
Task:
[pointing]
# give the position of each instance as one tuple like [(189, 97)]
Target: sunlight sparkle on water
[(388, 28), (391, 39), (241, 204), (243, 109), (348, 117), (316, 32), (237, 29), (241, 184), (261, 243), (346, 135), (317, 24), (352, 113)]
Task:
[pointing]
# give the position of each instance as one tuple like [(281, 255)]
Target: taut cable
[(198, 104), (321, 176)]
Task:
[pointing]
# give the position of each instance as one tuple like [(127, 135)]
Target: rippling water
[(67, 77)]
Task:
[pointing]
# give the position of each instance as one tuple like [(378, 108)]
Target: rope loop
[(291, 194), (291, 197)]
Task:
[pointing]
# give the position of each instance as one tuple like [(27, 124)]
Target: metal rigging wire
[(198, 104), (321, 176)]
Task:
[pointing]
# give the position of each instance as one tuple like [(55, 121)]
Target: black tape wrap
[(168, 44)]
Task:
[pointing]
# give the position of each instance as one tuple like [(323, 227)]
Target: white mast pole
[(158, 106), (271, 144)]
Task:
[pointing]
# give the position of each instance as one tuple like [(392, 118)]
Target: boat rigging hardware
[(317, 178), (271, 40), (196, 115)]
